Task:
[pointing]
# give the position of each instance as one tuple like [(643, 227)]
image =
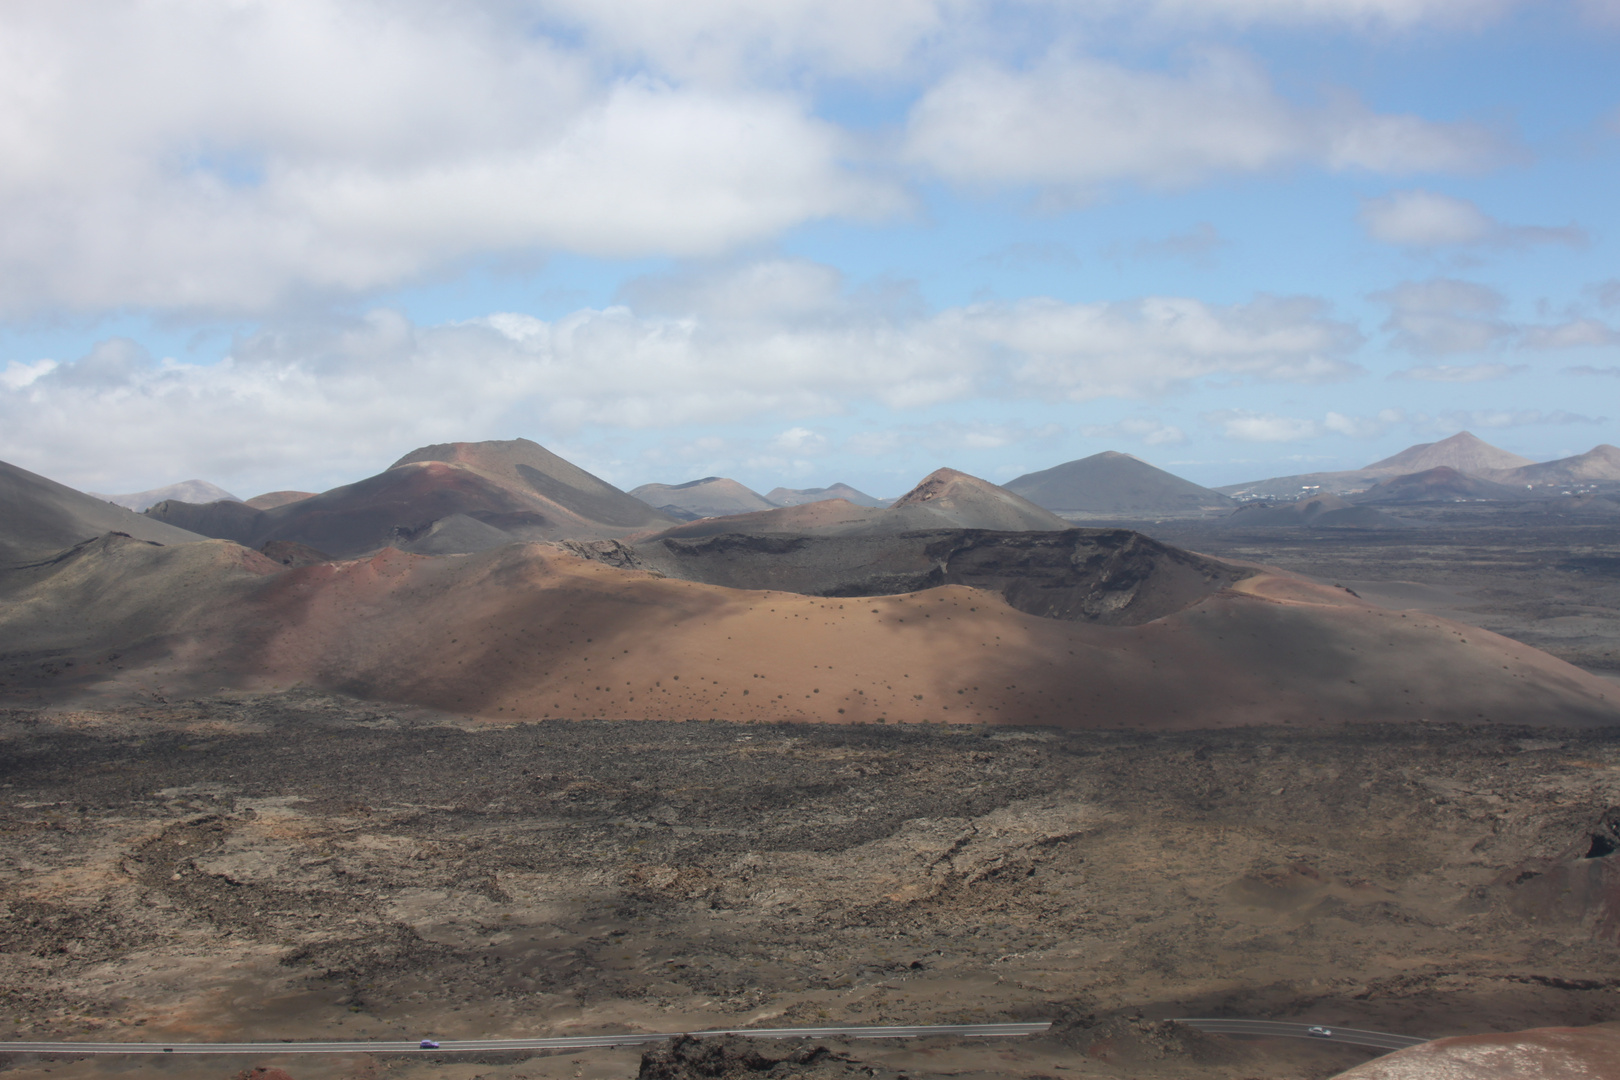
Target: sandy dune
[(533, 631)]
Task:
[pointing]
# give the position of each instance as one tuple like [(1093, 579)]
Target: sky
[(280, 243)]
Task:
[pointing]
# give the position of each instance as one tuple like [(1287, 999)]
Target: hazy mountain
[(713, 496), (191, 491), (782, 496), (444, 499), (41, 517), (944, 499), (1114, 485), (1463, 451), (1601, 464)]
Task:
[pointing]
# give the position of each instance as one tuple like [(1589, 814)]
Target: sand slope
[(39, 517), (532, 631)]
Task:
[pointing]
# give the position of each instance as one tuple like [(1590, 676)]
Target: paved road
[(1379, 1039), (464, 1046)]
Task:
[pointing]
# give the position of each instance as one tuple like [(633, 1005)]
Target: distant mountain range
[(455, 498), (444, 499), (713, 496), (1463, 452)]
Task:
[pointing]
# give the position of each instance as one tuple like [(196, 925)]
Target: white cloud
[(1246, 426), (1424, 219), (1443, 315), (1460, 373), (1133, 348), (722, 40), (812, 350), (799, 440), (1081, 124), (1197, 246), (1137, 429), (1575, 334), (1363, 427), (1382, 13), (19, 374), (1506, 418), (210, 156)]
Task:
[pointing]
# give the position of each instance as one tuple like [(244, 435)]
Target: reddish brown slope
[(531, 631)]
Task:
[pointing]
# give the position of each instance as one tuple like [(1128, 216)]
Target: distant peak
[(935, 484)]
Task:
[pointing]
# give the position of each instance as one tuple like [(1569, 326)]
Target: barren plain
[(299, 866)]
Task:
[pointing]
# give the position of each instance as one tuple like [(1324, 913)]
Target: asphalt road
[(1379, 1039), (464, 1046)]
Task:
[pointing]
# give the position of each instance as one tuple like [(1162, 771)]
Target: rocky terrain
[(301, 866), (1545, 574)]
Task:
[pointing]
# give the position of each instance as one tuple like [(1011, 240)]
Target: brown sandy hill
[(531, 631), (967, 502), (1464, 451), (1601, 463), (580, 503), (39, 517), (272, 499), (193, 491), (1112, 483), (1321, 511), (1553, 1053), (713, 496), (1439, 484), (783, 496), (446, 499)]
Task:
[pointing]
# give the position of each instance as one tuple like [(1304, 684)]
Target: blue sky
[(279, 245)]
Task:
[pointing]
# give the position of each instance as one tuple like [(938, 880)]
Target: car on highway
[(1320, 1032), (427, 1044)]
